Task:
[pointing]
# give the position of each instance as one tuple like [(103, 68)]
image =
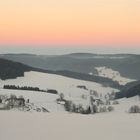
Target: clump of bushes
[(103, 109), (12, 101), (52, 91), (134, 109), (71, 107), (94, 106), (110, 108)]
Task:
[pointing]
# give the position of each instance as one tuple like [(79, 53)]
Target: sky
[(70, 25)]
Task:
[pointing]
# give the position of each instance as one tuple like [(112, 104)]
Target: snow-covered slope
[(125, 104), (114, 75), (53, 81), (67, 86), (39, 99)]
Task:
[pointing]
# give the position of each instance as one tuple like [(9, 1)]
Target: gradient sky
[(70, 22)]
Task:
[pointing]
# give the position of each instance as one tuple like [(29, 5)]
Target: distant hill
[(128, 65), (10, 69)]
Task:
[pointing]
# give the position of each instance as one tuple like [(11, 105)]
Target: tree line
[(22, 88), (14, 87), (131, 92)]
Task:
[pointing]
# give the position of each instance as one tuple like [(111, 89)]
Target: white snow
[(60, 126), (114, 75)]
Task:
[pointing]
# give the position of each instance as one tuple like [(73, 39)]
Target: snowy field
[(58, 126)]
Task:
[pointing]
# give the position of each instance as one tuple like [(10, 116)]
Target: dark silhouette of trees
[(133, 91), (10, 69), (53, 91), (29, 88), (134, 109), (22, 88)]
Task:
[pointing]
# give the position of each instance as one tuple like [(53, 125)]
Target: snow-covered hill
[(114, 75), (53, 81), (67, 86)]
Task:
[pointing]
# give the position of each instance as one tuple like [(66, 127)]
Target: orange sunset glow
[(69, 22)]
